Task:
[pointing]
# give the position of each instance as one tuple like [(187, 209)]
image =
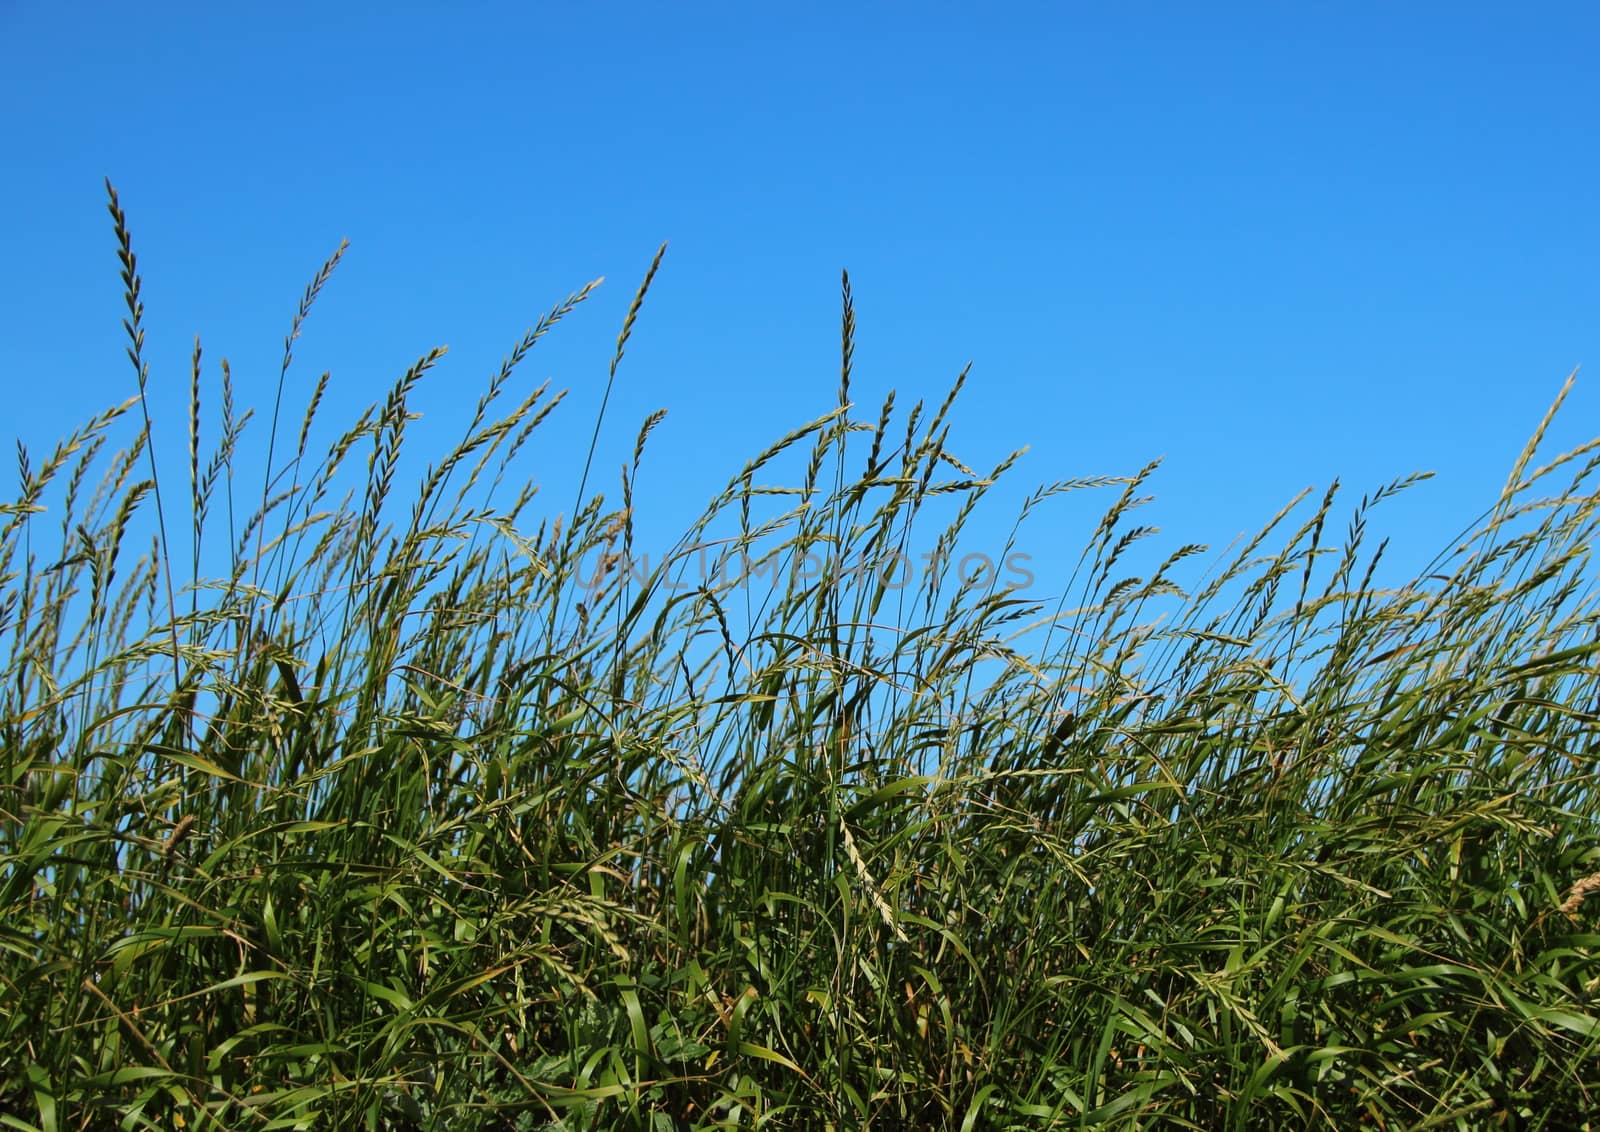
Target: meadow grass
[(423, 812)]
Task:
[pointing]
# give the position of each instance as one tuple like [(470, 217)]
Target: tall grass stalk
[(430, 813)]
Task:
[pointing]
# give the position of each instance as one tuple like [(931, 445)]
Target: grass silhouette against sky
[(1275, 247)]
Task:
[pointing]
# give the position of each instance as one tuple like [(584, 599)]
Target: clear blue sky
[(1273, 243)]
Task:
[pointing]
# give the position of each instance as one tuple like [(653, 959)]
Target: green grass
[(395, 820)]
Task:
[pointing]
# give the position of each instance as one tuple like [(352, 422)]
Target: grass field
[(405, 819)]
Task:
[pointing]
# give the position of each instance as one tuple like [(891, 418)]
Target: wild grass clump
[(346, 806)]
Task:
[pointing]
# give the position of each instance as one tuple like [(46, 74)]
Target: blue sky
[(1273, 243)]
